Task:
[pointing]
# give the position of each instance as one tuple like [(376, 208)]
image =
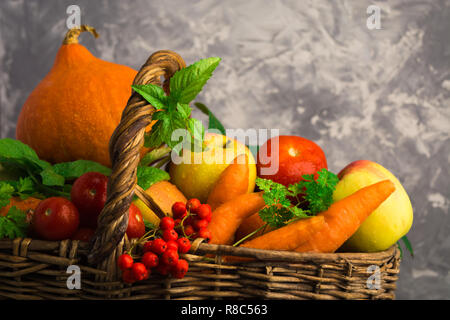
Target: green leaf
[(14, 224), (153, 94), (162, 130), (327, 179), (196, 129), (25, 185), (146, 176), (299, 213), (318, 193), (6, 193), (214, 123), (75, 169), (17, 153), (51, 178), (184, 110), (408, 245), (188, 82)]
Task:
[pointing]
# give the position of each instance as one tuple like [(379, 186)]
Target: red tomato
[(55, 219), (88, 194), (83, 234), (136, 225), (296, 156)]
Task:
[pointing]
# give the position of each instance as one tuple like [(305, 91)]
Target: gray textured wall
[(310, 68)]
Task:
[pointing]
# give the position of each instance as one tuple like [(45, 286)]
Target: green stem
[(162, 162), (46, 189), (249, 235)]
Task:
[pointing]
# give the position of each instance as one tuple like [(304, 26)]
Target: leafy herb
[(187, 83), (21, 156), (281, 211), (173, 111), (146, 176), (318, 194), (36, 177), (6, 192), (75, 169), (14, 224)]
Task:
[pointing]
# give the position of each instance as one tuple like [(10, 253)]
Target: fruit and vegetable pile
[(54, 177)]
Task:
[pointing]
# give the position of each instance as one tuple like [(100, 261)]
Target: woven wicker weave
[(36, 269)]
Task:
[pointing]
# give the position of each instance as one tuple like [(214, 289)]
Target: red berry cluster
[(192, 218), (161, 254)]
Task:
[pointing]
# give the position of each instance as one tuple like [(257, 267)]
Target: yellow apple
[(389, 222), (195, 173), (164, 194)]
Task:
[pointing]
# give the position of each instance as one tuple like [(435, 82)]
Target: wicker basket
[(36, 269)]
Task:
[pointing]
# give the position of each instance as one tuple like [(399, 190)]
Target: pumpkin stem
[(73, 34)]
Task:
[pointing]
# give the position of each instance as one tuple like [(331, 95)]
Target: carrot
[(26, 205), (344, 217), (288, 237), (227, 218), (232, 182), (251, 224)]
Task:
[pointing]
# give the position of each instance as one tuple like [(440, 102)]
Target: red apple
[(289, 157)]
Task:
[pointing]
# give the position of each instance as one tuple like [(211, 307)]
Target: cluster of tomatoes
[(58, 218), (162, 246)]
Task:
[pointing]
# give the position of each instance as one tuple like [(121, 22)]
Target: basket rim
[(201, 248)]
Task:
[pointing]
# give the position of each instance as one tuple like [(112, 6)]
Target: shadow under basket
[(70, 269)]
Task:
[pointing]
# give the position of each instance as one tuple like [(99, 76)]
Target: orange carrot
[(232, 182), (26, 205), (344, 217), (288, 237), (227, 218), (251, 224)]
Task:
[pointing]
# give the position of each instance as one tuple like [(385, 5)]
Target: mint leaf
[(187, 83), (153, 94), (214, 123), (184, 110), (14, 224), (196, 129), (146, 176), (75, 169)]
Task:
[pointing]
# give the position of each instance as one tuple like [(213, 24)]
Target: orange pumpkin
[(74, 110)]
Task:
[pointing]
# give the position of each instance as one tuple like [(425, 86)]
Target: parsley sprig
[(312, 196), (14, 224)]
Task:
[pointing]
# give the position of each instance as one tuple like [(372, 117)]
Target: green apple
[(196, 172), (389, 222)]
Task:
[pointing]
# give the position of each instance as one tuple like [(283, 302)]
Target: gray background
[(310, 68)]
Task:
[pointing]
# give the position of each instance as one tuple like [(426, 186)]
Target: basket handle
[(124, 147)]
